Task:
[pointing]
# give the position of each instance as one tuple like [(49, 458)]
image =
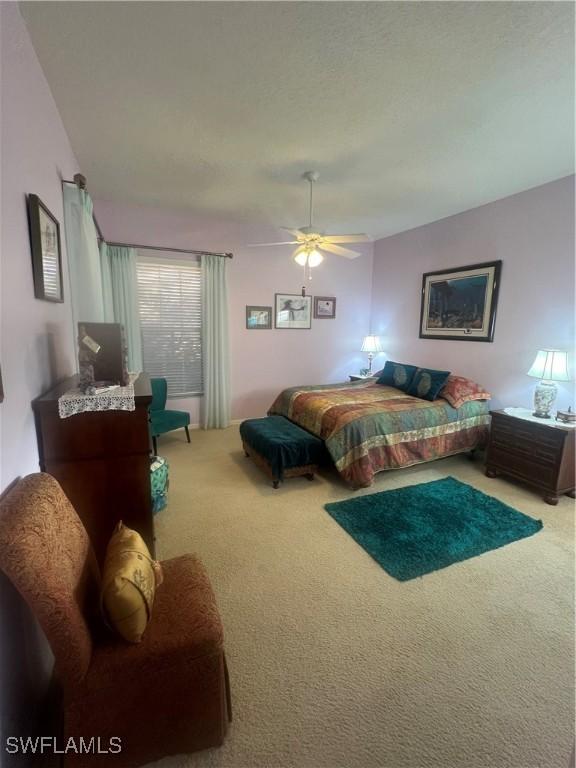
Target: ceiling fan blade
[(287, 242), (348, 238), (295, 232), (331, 248)]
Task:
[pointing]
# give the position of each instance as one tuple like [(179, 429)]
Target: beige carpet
[(334, 664)]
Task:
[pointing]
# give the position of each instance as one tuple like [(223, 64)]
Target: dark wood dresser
[(101, 460), (539, 453)]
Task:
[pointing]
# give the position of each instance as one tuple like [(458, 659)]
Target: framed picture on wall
[(460, 303), (324, 307), (293, 310), (46, 252), (258, 317)]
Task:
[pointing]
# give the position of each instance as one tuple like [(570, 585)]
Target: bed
[(368, 427)]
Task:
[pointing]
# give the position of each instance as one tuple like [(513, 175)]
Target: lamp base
[(544, 397)]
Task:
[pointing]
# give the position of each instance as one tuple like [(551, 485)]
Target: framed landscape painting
[(258, 317), (460, 303), (293, 310)]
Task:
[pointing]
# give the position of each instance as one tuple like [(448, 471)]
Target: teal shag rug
[(422, 528)]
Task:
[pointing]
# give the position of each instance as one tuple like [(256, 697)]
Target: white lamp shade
[(550, 365), (371, 344)]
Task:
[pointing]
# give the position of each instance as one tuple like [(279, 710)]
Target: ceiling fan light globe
[(315, 258), (301, 257)]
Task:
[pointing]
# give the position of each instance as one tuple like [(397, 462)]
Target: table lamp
[(372, 345), (550, 365)]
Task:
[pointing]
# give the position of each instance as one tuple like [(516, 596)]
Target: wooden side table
[(540, 453)]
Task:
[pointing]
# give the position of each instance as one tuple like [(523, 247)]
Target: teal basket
[(159, 483)]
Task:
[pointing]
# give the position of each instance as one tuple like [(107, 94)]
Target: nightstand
[(541, 453), (357, 377)]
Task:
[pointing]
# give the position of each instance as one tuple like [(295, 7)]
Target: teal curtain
[(120, 297), (215, 346), (83, 257), (106, 283)]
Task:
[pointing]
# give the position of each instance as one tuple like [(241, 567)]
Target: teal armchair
[(161, 420)]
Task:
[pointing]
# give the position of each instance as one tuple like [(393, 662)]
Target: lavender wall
[(533, 234), (36, 336), (36, 344), (262, 362)]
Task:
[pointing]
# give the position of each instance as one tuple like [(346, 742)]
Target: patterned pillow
[(397, 375), (427, 383), (129, 582), (458, 390)]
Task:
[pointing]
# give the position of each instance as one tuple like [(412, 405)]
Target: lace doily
[(114, 399)]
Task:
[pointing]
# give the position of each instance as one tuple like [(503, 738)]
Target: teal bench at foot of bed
[(281, 449)]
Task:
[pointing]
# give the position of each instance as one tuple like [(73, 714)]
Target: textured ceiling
[(410, 111)]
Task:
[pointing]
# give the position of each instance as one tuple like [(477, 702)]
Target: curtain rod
[(80, 181), (174, 250)]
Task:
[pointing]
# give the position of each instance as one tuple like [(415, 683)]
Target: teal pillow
[(427, 383), (397, 375)]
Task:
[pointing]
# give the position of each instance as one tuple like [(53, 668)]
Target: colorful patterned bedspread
[(368, 427)]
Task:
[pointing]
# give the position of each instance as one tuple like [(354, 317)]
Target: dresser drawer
[(93, 434), (521, 465), (542, 454), (526, 438)]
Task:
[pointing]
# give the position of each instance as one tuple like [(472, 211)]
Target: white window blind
[(170, 299)]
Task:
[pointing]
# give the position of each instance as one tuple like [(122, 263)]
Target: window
[(170, 298)]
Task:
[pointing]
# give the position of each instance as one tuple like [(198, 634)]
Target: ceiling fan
[(311, 241)]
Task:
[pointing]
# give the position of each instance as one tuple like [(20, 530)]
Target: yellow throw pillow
[(129, 582)]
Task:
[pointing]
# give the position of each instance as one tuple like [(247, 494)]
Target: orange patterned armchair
[(167, 695)]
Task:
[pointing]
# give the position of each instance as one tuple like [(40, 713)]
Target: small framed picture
[(324, 307), (46, 252), (293, 310), (258, 318)]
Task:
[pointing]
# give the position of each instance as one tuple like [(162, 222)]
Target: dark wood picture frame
[(307, 301), (46, 251), (259, 327), (460, 314), (320, 316)]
